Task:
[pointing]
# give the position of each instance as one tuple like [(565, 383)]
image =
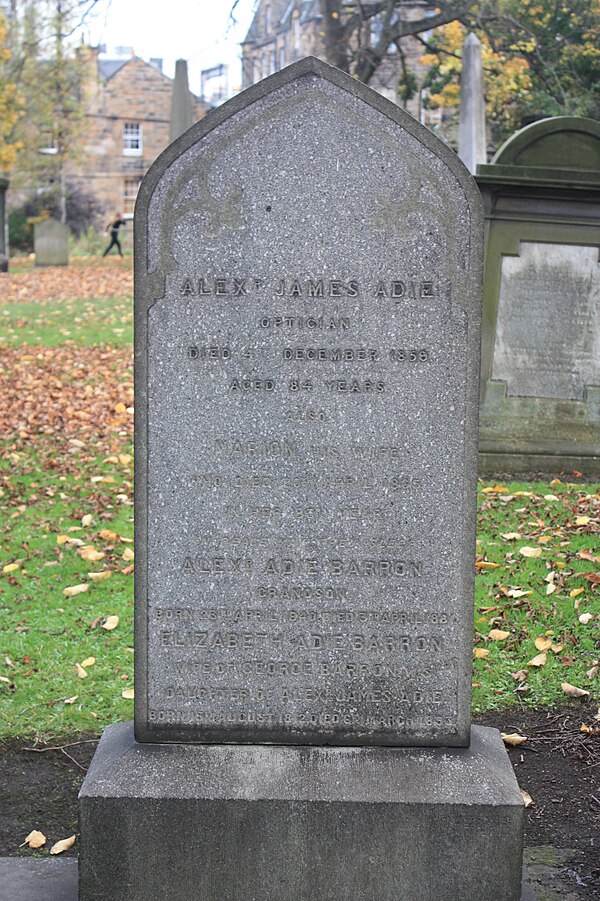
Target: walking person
[(114, 227)]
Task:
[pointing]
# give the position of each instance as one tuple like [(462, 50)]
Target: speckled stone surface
[(308, 277), (268, 823)]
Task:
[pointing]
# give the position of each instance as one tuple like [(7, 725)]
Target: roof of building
[(109, 67)]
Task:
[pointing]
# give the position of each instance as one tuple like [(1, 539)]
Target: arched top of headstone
[(561, 150), (431, 175)]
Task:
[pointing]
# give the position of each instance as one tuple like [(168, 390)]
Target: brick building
[(283, 31), (127, 125)]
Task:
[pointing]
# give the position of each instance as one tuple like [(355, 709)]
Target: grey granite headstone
[(308, 274), (308, 268), (51, 243)]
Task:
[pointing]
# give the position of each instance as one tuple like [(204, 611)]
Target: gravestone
[(3, 226), (541, 341), (472, 142), (308, 276), (51, 243)]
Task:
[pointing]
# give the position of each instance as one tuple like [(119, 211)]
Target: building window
[(257, 72), (268, 20), (263, 66), (132, 139), (282, 57), (130, 192), (273, 60)]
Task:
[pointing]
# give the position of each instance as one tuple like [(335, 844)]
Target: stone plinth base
[(271, 823)]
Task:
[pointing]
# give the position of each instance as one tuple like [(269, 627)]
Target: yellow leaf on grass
[(585, 618), (498, 634), (520, 675), (61, 539), (128, 555), (108, 535), (87, 520), (125, 459), (120, 407), (527, 798), (89, 661), (71, 700), (573, 691), (576, 592), (582, 520), (110, 623), (542, 643), (517, 593), (539, 660), (531, 551), (101, 576), (513, 739), (10, 568), (590, 730), (557, 648), (486, 564), (478, 653), (550, 497), (128, 694), (75, 589), (63, 845), (90, 554), (550, 588), (497, 489), (80, 671), (510, 536), (595, 669), (35, 839)]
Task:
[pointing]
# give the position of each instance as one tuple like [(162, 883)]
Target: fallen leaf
[(90, 554), (543, 643), (594, 670), (550, 588), (35, 839), (498, 634), (108, 535), (586, 554), (125, 459), (497, 489), (586, 618), (592, 578), (75, 589), (128, 555), (89, 661), (80, 671), (520, 675), (63, 845), (550, 497), (556, 648), (517, 593), (590, 730), (573, 691), (110, 623), (10, 568), (531, 551), (128, 694), (582, 520), (538, 660), (527, 798), (87, 520), (101, 576), (478, 653), (71, 700), (513, 739), (510, 536), (576, 592)]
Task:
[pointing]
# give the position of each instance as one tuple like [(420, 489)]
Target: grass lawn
[(66, 558)]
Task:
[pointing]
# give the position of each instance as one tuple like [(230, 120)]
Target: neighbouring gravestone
[(541, 342), (308, 277), (472, 140), (3, 227), (51, 243)]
